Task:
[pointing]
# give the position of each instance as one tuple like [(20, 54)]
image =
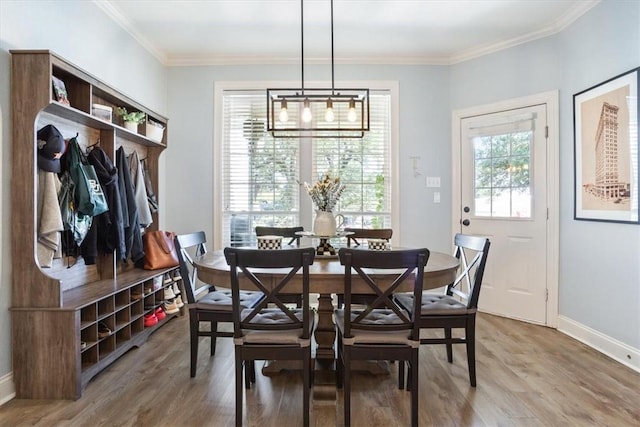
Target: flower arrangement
[(326, 192)]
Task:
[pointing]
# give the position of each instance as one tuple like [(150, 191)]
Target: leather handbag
[(159, 250)]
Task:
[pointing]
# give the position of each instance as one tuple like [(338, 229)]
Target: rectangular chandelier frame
[(318, 126)]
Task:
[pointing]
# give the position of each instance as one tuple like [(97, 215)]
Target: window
[(502, 181), (261, 175)]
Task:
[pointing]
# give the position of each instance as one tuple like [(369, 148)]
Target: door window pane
[(501, 175)]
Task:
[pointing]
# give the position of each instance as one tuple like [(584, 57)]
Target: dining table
[(326, 279)]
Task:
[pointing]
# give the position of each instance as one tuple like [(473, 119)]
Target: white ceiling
[(199, 32)]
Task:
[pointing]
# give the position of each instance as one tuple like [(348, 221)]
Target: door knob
[(466, 222), (466, 209)]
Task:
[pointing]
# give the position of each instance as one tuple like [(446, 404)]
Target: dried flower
[(326, 192)]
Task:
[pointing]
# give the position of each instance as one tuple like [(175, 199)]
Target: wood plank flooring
[(527, 376)]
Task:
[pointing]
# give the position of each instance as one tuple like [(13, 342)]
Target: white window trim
[(221, 86)]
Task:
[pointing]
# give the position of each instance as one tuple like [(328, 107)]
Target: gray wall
[(597, 261)]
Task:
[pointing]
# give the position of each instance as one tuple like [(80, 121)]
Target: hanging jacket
[(110, 227), (132, 235), (139, 191)]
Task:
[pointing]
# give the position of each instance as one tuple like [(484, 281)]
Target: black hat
[(51, 146)]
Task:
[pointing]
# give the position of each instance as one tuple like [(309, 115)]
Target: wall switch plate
[(436, 197), (433, 181)]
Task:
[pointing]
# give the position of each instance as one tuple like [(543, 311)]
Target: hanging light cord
[(302, 40), (332, 66)]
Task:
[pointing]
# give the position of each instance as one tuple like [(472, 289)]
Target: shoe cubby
[(123, 318), (137, 326), (74, 299), (105, 307), (89, 357), (137, 309), (123, 335)]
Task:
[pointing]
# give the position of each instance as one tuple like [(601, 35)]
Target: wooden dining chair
[(286, 232), (457, 306), (358, 236), (205, 303), (271, 330), (289, 233), (367, 233), (382, 330)]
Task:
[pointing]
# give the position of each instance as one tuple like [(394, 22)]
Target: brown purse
[(159, 250)]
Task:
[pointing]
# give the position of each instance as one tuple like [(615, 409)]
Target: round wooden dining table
[(326, 278)]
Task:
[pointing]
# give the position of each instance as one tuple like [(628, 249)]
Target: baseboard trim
[(618, 351), (7, 388)]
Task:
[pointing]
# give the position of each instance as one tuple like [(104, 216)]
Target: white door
[(503, 195)]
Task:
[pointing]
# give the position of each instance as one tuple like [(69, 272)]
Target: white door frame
[(553, 151)]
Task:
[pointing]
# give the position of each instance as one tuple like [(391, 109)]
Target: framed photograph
[(605, 120), (60, 91)]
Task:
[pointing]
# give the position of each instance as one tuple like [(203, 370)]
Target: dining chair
[(205, 303), (367, 233), (271, 330), (382, 330), (286, 232), (363, 234), (457, 306)]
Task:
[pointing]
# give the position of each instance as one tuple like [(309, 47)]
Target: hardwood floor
[(527, 376)]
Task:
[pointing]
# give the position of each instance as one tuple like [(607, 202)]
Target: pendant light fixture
[(315, 112)]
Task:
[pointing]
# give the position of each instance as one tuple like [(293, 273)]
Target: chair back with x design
[(472, 253)]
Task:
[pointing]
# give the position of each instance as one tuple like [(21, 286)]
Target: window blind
[(261, 174)]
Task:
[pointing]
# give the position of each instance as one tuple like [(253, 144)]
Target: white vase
[(132, 126), (324, 224)]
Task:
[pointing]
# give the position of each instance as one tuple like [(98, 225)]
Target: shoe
[(168, 293), (170, 307), (136, 295), (83, 345), (148, 288), (179, 302), (157, 283), (176, 289), (176, 276), (167, 279), (150, 320), (160, 313), (103, 330)]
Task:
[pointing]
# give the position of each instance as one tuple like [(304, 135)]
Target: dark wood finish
[(383, 317), (327, 278), (247, 323), (189, 246), (531, 375), (288, 232), (472, 251), (55, 309), (367, 233)]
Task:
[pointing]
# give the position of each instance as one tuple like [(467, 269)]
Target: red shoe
[(150, 320), (160, 314)]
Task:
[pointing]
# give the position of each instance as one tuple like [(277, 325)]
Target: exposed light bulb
[(351, 115), (328, 115), (284, 114), (306, 111)]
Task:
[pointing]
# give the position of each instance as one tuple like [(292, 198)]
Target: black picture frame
[(605, 124)]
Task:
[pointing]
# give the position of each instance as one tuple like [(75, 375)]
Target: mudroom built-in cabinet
[(60, 311)]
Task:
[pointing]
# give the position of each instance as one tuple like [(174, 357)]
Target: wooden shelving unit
[(56, 311)]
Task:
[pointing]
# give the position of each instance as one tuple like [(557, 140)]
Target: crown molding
[(220, 60)]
